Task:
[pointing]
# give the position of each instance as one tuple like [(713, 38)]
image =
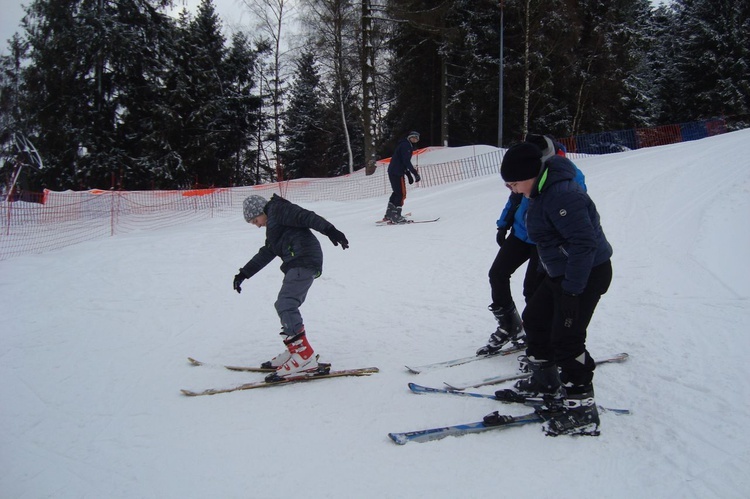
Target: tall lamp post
[(500, 97)]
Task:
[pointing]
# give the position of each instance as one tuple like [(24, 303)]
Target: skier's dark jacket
[(288, 236), (514, 213), (401, 159), (563, 222)]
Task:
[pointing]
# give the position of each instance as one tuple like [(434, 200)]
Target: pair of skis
[(464, 360), (323, 372), (539, 415), (516, 399), (381, 223), (495, 380), (508, 396)]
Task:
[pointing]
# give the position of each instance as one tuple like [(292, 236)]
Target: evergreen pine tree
[(10, 91), (241, 107), (304, 136), (146, 118), (201, 99), (414, 72), (82, 59), (712, 59), (662, 45), (332, 29), (607, 56)]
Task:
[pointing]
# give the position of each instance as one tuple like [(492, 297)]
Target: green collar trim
[(542, 180)]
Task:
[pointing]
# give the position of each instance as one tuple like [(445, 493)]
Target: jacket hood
[(556, 169)]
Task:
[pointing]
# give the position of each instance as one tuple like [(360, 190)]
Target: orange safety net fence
[(35, 224), (60, 219)]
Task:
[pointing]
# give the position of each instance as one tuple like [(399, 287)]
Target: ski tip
[(412, 370), (188, 393), (250, 369), (453, 388), (194, 362), (617, 412), (398, 438), (620, 357)]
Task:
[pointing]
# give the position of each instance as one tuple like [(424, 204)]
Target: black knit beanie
[(521, 162)]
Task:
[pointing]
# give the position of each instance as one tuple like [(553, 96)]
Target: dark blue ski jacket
[(289, 237), (401, 159), (514, 214), (563, 222)]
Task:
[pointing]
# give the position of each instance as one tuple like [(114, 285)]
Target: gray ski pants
[(297, 282)]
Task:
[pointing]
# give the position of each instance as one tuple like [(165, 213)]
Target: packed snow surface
[(94, 341)]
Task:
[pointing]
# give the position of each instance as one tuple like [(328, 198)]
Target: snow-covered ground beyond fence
[(60, 219), (94, 339)]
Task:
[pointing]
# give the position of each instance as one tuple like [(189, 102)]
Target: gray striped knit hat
[(253, 206)]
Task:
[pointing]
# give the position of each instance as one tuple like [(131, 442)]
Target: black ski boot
[(393, 214), (544, 380), (400, 219), (579, 415), (543, 385), (509, 329)]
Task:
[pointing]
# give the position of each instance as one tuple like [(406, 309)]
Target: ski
[(382, 223), (366, 371), (464, 360), (249, 369), (620, 357), (507, 398), (463, 429)]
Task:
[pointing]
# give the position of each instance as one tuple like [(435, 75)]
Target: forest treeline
[(126, 94)]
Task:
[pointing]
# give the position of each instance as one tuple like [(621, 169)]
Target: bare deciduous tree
[(272, 17), (332, 26)]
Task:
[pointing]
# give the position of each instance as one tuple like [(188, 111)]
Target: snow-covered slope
[(94, 339)]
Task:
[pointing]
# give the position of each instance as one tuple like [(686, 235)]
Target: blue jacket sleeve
[(502, 222), (507, 217)]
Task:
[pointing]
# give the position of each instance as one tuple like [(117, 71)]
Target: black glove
[(408, 175), (336, 237), (237, 281), (569, 303), (417, 177), (500, 238)]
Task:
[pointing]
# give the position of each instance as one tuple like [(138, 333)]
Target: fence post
[(8, 205)]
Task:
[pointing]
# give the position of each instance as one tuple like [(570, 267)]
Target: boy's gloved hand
[(500, 238), (569, 304), (238, 281), (337, 237)]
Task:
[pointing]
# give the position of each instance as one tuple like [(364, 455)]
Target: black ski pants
[(512, 254), (547, 335), (398, 184)]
